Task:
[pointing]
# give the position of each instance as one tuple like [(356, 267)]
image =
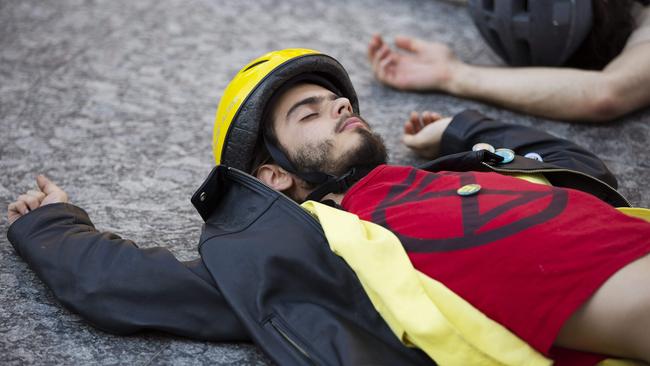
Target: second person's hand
[(419, 66)]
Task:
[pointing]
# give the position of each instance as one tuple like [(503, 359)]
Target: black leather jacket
[(266, 272)]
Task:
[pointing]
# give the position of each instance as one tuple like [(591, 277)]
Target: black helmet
[(530, 32)]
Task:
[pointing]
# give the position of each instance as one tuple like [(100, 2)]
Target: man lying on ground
[(554, 268)]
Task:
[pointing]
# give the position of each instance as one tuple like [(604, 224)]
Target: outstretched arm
[(562, 93), (558, 93), (112, 283), (430, 135)]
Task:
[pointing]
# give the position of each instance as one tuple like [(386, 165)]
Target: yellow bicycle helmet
[(243, 104)]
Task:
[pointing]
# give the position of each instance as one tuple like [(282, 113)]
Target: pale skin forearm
[(561, 93), (553, 93)]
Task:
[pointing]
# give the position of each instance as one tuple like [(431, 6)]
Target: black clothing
[(565, 163), (266, 272)]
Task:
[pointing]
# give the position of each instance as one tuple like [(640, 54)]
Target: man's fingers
[(31, 201), (429, 117), (383, 52), (414, 115), (12, 208), (377, 60), (384, 64), (414, 125), (21, 207), (12, 213), (36, 194), (426, 117), (46, 185), (416, 119), (407, 43), (373, 45), (408, 127)]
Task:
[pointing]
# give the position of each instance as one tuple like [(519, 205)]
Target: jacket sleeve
[(471, 127), (117, 286)]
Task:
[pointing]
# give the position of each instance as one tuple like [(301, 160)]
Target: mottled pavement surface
[(114, 100)]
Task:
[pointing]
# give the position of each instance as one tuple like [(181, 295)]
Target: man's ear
[(275, 177)]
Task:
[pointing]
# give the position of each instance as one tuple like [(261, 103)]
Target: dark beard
[(370, 153)]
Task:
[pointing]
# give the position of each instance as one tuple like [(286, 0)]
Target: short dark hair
[(261, 154), (613, 23)]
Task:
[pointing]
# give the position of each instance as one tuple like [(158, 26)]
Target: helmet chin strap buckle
[(347, 180)]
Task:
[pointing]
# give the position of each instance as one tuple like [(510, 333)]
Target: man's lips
[(352, 122)]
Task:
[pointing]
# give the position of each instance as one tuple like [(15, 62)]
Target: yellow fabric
[(533, 178), (421, 311), (638, 212)]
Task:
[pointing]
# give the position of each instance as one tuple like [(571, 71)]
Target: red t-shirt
[(526, 255)]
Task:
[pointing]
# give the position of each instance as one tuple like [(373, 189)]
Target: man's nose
[(341, 107)]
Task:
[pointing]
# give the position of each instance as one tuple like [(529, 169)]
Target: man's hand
[(47, 193), (423, 65), (423, 133)]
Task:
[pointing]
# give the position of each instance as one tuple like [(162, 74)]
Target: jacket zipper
[(558, 171), (278, 328)]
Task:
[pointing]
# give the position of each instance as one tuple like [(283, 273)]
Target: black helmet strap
[(327, 183), (339, 184), (281, 159)]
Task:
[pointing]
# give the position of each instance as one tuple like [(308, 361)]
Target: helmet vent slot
[(255, 64)]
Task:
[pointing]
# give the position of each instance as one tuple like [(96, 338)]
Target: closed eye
[(309, 116)]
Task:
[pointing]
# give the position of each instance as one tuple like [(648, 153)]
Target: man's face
[(320, 132)]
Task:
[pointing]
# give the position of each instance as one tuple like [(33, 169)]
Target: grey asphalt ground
[(115, 101)]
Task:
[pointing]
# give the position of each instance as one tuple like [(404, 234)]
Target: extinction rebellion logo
[(472, 218)]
